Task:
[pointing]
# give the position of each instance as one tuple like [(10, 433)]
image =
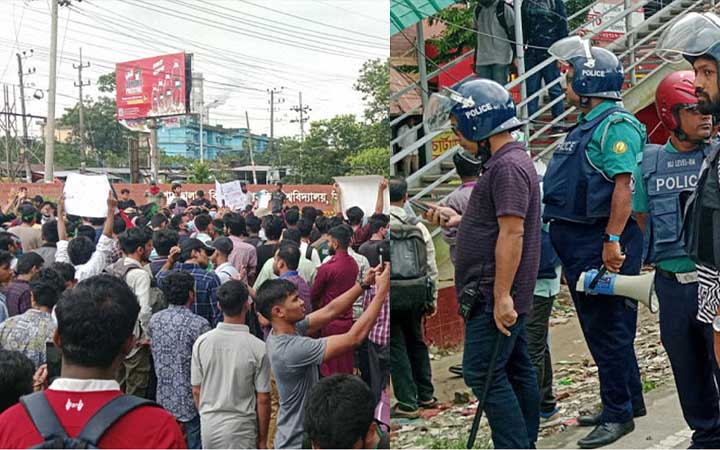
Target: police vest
[(665, 175), (575, 190), (702, 215)]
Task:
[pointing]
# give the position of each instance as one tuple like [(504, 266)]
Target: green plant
[(199, 173), (371, 161)]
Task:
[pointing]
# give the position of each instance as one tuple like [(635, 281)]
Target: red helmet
[(674, 92)]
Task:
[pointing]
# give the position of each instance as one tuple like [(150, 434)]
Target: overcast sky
[(243, 48)]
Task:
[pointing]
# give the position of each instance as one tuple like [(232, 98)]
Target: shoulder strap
[(649, 159), (308, 252), (106, 416), (500, 14), (43, 416), (398, 218)]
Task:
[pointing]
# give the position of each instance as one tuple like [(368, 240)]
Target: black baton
[(488, 382)]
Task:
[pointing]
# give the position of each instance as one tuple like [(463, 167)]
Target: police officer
[(588, 202), (696, 38), (497, 256), (666, 171)]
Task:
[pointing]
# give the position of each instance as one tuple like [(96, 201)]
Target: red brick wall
[(447, 328), (137, 192)]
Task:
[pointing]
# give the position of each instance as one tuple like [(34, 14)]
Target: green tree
[(106, 83), (457, 36), (374, 84), (104, 134), (199, 173), (371, 161)]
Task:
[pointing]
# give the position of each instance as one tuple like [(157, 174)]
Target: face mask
[(190, 226), (213, 214)]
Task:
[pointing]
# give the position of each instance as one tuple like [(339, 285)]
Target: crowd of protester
[(240, 331)]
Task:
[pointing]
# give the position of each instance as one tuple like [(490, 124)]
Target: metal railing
[(630, 48), (434, 164)]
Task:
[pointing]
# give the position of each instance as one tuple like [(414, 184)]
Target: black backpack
[(410, 285), (47, 424), (500, 15)]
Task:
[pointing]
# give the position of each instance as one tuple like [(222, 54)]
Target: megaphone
[(636, 287)]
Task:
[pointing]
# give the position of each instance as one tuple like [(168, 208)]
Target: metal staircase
[(643, 71)]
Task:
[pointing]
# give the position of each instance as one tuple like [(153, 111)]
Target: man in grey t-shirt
[(295, 357)]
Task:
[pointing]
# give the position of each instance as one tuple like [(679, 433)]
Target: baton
[(488, 382)]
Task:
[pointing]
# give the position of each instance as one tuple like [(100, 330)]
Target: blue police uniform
[(660, 178), (578, 195)]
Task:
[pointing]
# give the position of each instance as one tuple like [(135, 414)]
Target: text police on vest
[(676, 182)]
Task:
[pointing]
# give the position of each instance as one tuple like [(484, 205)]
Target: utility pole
[(272, 93), (50, 127), (202, 119), (250, 147), (7, 126), (152, 124), (79, 85), (303, 110), (25, 142)]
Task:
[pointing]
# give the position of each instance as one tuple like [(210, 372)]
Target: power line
[(325, 50), (313, 21)]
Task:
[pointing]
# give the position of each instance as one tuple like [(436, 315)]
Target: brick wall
[(447, 328), (298, 194)]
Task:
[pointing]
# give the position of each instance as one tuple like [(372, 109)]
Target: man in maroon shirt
[(17, 294), (334, 278), (95, 331)]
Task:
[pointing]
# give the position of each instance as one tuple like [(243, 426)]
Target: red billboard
[(153, 87)]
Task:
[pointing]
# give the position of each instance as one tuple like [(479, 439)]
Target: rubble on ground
[(576, 388)]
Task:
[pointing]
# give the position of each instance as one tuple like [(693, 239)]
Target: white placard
[(362, 191), (263, 203), (86, 195), (233, 195)]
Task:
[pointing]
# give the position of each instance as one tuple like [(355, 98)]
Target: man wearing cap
[(588, 203), (29, 235), (193, 257), (223, 268)]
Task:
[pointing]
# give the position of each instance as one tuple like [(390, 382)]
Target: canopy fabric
[(404, 13)]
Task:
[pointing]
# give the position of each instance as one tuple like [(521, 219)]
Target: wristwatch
[(611, 238), (716, 324)]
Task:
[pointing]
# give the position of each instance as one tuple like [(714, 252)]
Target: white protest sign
[(86, 195), (219, 197), (233, 195), (361, 191), (263, 203)]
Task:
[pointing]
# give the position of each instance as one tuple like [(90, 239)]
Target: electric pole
[(152, 124), (79, 85), (25, 142), (272, 92), (50, 126), (303, 110), (250, 147)]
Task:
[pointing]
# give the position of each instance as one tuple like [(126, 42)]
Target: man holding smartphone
[(497, 256)]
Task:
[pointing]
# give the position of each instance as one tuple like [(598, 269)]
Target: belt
[(682, 278)]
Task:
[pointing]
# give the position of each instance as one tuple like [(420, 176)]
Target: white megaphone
[(636, 287)]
